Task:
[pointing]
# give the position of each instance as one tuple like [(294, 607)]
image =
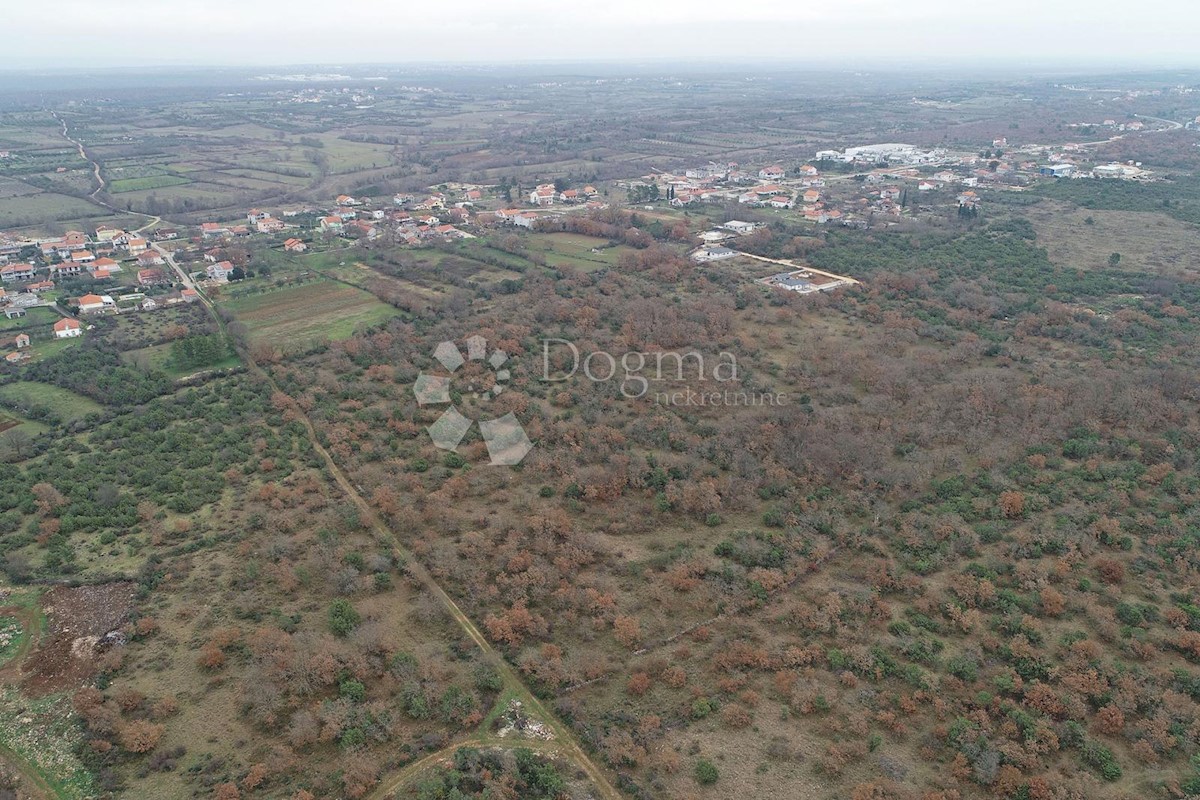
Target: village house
[(782, 201), (569, 196), (269, 225), (294, 246), (253, 216), (333, 224), (13, 312), (67, 328), (83, 256), (136, 245), (772, 173), (472, 195), (94, 303), (40, 286), (739, 227), (362, 228), (107, 234), (712, 253), (23, 300), (525, 219), (347, 200), (543, 195), (968, 200), (166, 234), (219, 271), (812, 196), (189, 295), (213, 230), (808, 170), (13, 358), (150, 258), (66, 268), (16, 272), (104, 263), (21, 340), (151, 277)]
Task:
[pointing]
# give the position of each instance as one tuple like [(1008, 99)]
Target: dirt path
[(33, 782), (28, 619), (565, 743), (101, 185), (399, 779)]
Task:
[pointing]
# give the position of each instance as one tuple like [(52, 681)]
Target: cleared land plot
[(581, 252), (66, 404), (308, 313), (38, 208), (1147, 241), (158, 357), (150, 182)]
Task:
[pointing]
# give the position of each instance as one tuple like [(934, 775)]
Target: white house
[(739, 227), (93, 303), (219, 271), (712, 253), (67, 328)]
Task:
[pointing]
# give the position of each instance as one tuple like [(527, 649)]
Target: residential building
[(739, 227), (151, 277), (543, 195), (712, 253), (94, 303), (219, 271), (67, 328), (66, 268), (16, 272)]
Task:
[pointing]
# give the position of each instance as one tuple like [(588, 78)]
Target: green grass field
[(33, 318), (39, 208), (576, 250), (150, 182), (28, 394), (158, 357), (308, 313)]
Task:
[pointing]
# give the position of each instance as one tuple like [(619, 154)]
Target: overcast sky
[(74, 33)]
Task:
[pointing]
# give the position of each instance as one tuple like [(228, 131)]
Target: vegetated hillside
[(956, 562), (261, 637)]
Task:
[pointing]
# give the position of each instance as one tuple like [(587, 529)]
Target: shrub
[(343, 618), (706, 772)]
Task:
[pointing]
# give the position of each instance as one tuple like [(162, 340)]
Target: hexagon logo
[(507, 442)]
